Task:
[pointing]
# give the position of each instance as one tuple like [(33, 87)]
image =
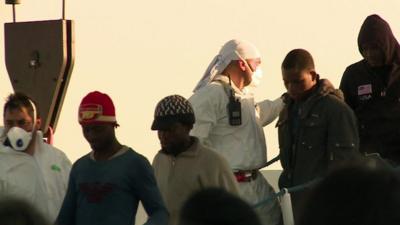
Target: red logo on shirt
[(95, 192)]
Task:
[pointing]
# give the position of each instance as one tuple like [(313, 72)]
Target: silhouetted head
[(19, 212), (217, 207), (356, 194)]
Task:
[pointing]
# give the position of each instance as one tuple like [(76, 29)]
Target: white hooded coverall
[(243, 146)]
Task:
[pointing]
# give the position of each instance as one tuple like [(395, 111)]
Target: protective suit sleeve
[(269, 110)]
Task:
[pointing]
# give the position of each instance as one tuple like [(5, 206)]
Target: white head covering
[(232, 50)]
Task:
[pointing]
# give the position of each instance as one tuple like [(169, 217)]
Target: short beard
[(174, 149), (105, 146)]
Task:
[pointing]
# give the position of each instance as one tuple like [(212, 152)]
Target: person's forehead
[(96, 126), (294, 73), (171, 126), (255, 60), (370, 46), (16, 112)]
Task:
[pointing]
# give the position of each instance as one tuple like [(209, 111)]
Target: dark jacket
[(374, 94), (326, 131)]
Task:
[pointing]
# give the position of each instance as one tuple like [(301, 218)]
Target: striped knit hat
[(96, 108), (171, 109)]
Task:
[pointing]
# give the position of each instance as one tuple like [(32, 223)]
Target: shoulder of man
[(213, 90), (335, 104), (356, 69), (53, 156), (137, 159), (51, 149), (12, 161), (159, 157), (209, 99), (82, 160)]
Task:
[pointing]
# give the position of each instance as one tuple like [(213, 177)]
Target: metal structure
[(39, 58)]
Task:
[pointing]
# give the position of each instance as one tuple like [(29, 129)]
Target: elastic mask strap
[(34, 114), (241, 58)]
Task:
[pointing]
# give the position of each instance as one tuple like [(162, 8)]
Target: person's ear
[(242, 65), (38, 123), (314, 75)]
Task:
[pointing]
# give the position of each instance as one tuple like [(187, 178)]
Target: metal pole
[(13, 3), (63, 9), (13, 9)]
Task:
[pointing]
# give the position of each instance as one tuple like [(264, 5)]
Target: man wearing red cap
[(107, 184)]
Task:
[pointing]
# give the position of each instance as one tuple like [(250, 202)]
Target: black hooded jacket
[(374, 94)]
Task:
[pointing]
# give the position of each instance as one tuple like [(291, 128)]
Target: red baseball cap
[(97, 108)]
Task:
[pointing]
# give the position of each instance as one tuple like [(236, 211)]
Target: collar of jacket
[(317, 94), (394, 73)]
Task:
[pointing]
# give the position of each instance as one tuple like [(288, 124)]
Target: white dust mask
[(19, 138), (256, 77)]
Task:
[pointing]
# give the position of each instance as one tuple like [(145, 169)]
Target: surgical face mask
[(256, 77), (18, 138)]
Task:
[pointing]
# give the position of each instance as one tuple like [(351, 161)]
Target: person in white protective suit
[(20, 178), (21, 124), (230, 121)]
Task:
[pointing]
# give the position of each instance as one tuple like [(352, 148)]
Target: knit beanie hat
[(171, 109), (96, 108)]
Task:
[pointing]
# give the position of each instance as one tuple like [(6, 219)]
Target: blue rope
[(289, 190), (296, 189), (269, 199), (293, 189)]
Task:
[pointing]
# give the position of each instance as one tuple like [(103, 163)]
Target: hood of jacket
[(376, 30)]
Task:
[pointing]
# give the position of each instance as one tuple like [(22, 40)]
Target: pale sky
[(141, 51)]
